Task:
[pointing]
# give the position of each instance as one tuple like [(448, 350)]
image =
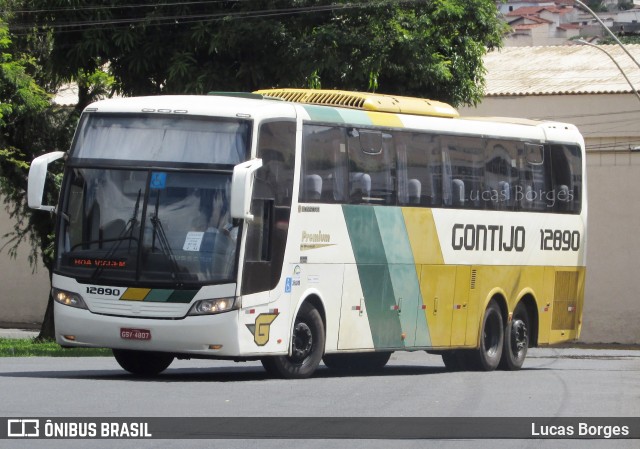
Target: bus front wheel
[(307, 347), (516, 340), (142, 363)]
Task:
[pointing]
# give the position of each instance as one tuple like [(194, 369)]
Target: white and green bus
[(298, 226)]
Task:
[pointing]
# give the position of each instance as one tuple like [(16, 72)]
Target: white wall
[(612, 309), (23, 294)]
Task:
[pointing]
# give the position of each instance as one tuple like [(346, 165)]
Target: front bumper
[(191, 335)]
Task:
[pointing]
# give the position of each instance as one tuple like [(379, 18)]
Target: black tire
[(357, 362), (142, 363), (516, 340), (307, 347), (487, 356)]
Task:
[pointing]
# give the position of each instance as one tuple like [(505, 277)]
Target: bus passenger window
[(323, 177), (534, 184), (276, 148), (466, 158), (371, 167), (419, 169), (566, 174), (501, 175)]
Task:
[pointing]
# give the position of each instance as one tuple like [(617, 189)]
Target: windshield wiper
[(165, 246), (128, 228)]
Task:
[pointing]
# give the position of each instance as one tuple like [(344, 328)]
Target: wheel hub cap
[(518, 336), (302, 341)]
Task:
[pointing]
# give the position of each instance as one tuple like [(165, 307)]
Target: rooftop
[(567, 69)]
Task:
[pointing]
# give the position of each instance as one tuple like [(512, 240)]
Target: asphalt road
[(552, 383)]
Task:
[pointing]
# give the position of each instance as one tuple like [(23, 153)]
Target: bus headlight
[(68, 298), (211, 306)]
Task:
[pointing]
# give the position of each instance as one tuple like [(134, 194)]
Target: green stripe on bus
[(404, 277), (158, 295), (323, 114), (183, 296), (365, 236), (394, 235), (375, 277), (355, 117), (333, 115)]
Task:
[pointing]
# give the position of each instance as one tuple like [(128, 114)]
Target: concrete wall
[(609, 125), (23, 294), (612, 309)]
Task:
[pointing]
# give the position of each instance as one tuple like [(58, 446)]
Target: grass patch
[(32, 347)]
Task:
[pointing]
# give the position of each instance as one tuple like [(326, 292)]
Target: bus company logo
[(23, 428), (488, 238), (262, 328)]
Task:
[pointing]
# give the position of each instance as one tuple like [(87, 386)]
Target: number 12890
[(92, 290), (559, 240)]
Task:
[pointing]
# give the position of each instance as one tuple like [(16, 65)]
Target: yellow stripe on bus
[(135, 294), (423, 236), (383, 119)]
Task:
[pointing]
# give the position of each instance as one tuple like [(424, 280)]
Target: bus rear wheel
[(487, 356), (516, 340), (307, 347), (357, 362), (142, 363)]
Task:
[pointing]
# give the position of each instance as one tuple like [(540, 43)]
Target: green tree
[(596, 5), (26, 120), (31, 125), (23, 107), (625, 5), (423, 48)]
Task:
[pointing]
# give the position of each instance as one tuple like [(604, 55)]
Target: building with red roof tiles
[(544, 23)]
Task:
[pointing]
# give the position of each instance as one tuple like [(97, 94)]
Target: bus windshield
[(123, 225), (139, 205)]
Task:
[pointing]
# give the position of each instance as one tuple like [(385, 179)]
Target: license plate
[(135, 334)]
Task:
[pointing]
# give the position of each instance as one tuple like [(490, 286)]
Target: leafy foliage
[(625, 5), (626, 40), (25, 121), (432, 49), (596, 5), (31, 125)]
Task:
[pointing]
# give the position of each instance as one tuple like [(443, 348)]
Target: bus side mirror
[(242, 188), (37, 177)]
